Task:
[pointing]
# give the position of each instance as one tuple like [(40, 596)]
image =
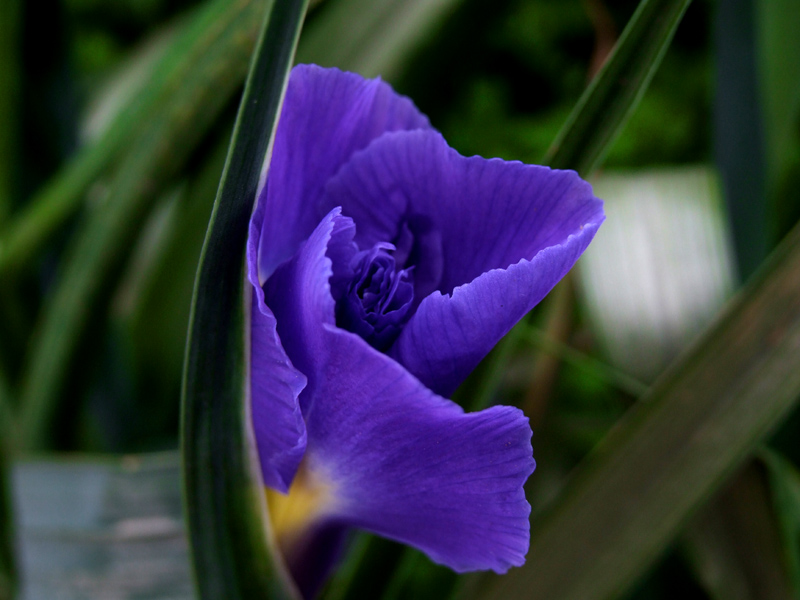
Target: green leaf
[(54, 203), (9, 118), (615, 91), (225, 501), (734, 543), (739, 133), (777, 34), (592, 367), (152, 307), (218, 59), (673, 449), (785, 484)]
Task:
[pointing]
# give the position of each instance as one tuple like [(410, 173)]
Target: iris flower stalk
[(384, 266)]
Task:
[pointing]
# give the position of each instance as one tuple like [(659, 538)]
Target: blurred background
[(100, 234)]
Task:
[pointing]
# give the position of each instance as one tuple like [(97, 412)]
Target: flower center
[(378, 300)]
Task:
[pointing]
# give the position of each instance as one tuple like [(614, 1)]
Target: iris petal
[(404, 462), (491, 216), (275, 384), (275, 388), (327, 116)]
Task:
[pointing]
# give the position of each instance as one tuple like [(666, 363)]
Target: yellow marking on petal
[(295, 513)]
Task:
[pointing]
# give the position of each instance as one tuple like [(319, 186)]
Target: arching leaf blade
[(225, 505)]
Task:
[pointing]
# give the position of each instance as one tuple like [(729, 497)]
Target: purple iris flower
[(385, 266)]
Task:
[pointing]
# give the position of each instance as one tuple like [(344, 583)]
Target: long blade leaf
[(734, 543), (614, 93), (219, 61), (225, 504), (62, 196), (698, 423), (10, 26), (597, 119)]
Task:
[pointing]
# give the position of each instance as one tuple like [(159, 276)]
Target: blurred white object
[(660, 267)]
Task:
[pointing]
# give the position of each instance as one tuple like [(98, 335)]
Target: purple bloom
[(385, 266)]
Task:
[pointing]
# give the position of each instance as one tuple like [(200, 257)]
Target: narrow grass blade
[(785, 483), (615, 91), (48, 209), (698, 423), (739, 133), (219, 61), (224, 497), (778, 68), (10, 26), (734, 543)]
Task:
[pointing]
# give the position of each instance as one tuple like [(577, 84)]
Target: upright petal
[(327, 116), (275, 384), (275, 387), (490, 215), (390, 455), (300, 294)]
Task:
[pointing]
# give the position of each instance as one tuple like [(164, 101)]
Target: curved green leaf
[(224, 498), (218, 60), (672, 450)]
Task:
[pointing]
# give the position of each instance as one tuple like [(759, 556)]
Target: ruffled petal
[(412, 466), (327, 116), (450, 334), (275, 387), (388, 454), (275, 384), (299, 293), (489, 215)]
